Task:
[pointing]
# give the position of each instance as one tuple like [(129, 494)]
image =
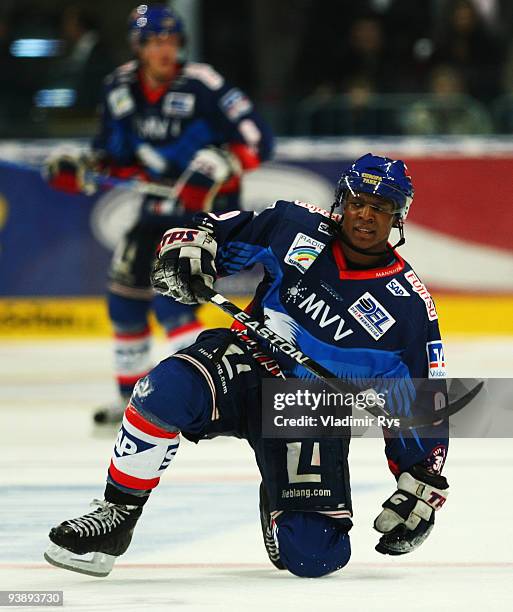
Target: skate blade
[(99, 565)]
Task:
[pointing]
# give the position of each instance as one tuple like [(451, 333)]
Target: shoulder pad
[(126, 73), (313, 208), (205, 74)]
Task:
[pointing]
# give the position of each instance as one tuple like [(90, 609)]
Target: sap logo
[(178, 104), (436, 359), (371, 315), (424, 294), (152, 128), (178, 235), (320, 310), (170, 453), (303, 252), (124, 445), (324, 228), (395, 288)]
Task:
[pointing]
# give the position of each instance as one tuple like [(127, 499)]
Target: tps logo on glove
[(182, 235)]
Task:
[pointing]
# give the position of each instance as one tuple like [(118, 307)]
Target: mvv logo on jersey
[(372, 315), (303, 252), (436, 359)]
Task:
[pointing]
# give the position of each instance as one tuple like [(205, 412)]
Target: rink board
[(87, 317)]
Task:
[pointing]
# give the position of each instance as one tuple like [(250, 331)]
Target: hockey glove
[(66, 171), (184, 253), (203, 177), (407, 517)]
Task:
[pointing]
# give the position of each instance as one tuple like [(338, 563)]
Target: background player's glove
[(66, 171), (203, 177), (184, 253), (407, 517)]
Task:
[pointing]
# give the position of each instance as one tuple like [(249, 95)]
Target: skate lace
[(101, 521)]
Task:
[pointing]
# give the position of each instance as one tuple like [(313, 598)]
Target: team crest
[(303, 252)]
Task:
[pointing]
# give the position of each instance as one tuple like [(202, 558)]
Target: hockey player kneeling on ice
[(338, 262)]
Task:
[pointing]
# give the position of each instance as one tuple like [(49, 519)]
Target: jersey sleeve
[(428, 446), (243, 237), (114, 140), (232, 114)]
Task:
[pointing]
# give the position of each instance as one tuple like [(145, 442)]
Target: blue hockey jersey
[(199, 108), (359, 324)]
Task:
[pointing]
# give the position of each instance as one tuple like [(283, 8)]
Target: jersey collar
[(347, 274), (152, 96)]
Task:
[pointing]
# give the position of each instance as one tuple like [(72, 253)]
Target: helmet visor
[(374, 184)]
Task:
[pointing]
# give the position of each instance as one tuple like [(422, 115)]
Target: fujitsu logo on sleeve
[(419, 287)]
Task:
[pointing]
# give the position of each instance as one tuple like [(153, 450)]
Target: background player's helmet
[(378, 176), (153, 19)]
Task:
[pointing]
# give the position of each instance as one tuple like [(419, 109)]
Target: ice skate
[(90, 544), (267, 532)]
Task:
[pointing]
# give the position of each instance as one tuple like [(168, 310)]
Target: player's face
[(368, 220), (159, 55)]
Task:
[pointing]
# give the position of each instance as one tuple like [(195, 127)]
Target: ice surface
[(198, 545)]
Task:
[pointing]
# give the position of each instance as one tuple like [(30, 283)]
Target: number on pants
[(303, 462)]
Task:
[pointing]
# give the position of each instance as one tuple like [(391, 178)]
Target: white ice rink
[(198, 545)]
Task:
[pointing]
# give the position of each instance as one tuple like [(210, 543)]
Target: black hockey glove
[(408, 515), (184, 253)]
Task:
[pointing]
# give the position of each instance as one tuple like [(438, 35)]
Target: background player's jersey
[(360, 324), (199, 108)]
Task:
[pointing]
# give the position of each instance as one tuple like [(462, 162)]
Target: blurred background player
[(163, 119), (385, 327)]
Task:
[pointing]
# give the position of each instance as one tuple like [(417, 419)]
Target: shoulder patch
[(120, 101), (436, 359), (235, 104), (204, 73), (418, 286), (303, 251)]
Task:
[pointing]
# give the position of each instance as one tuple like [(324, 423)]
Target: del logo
[(424, 294), (179, 235), (395, 288), (372, 315), (303, 252), (436, 359)]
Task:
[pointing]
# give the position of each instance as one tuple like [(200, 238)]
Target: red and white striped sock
[(142, 452)]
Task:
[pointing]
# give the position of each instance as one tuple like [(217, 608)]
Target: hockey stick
[(340, 385), (159, 190), (108, 182)]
